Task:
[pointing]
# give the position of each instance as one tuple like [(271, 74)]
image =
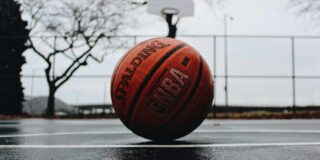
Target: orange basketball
[(162, 89)]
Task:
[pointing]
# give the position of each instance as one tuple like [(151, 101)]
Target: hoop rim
[(169, 10)]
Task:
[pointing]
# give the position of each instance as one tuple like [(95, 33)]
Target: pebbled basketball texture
[(162, 89)]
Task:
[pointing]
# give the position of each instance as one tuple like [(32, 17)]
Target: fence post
[(293, 76), (226, 68), (214, 111), (134, 40)]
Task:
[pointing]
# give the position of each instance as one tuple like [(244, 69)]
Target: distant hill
[(37, 106)]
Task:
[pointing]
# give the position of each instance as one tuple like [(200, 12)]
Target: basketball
[(162, 89)]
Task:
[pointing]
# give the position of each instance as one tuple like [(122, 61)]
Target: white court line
[(128, 132), (165, 145), (63, 133), (259, 131)]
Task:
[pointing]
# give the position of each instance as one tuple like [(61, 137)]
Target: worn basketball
[(162, 89)]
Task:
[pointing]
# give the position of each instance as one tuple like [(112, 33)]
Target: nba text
[(169, 91)]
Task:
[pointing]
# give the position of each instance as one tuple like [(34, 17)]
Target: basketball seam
[(192, 93), (147, 78)]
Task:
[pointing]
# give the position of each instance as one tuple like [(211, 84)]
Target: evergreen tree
[(13, 36)]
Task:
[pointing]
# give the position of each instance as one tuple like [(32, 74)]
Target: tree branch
[(139, 3), (31, 45), (67, 77), (69, 69)]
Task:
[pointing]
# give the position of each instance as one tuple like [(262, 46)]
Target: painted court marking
[(128, 132), (165, 146)]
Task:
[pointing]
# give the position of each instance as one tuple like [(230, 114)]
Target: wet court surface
[(109, 139)]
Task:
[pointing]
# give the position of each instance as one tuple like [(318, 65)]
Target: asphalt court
[(109, 139)]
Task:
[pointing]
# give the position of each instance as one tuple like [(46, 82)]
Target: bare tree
[(308, 8), (75, 31)]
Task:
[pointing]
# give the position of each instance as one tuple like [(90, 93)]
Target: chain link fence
[(254, 71)]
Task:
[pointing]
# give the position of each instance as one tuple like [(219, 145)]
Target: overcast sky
[(246, 56)]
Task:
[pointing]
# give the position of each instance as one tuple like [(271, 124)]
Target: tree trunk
[(50, 104)]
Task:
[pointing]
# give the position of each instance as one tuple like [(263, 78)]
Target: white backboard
[(185, 7)]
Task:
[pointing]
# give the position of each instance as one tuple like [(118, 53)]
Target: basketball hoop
[(170, 11), (179, 8)]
